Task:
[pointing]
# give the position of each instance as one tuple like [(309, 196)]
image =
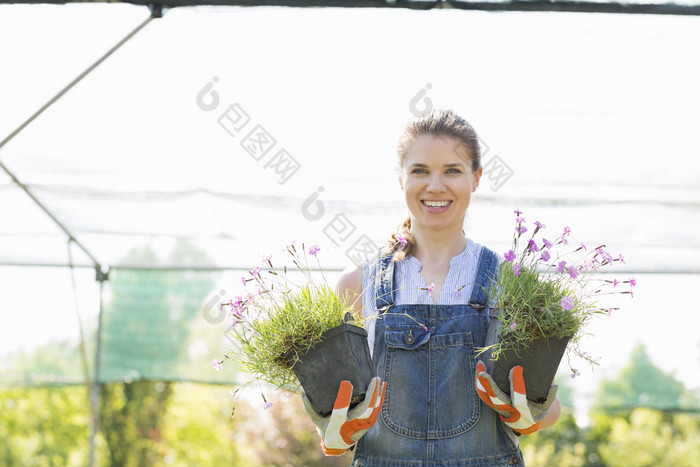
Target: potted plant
[(541, 301), (298, 334)]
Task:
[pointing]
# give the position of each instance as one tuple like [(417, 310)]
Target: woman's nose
[(435, 184)]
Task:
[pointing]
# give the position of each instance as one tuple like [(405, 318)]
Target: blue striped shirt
[(412, 289)]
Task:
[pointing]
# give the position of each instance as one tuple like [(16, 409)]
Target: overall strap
[(384, 282), (486, 271)]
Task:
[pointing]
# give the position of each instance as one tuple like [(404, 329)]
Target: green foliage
[(541, 294), (641, 383), (281, 436), (44, 427), (290, 329), (277, 326), (646, 440)]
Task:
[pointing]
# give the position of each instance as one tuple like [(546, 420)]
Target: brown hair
[(437, 123)]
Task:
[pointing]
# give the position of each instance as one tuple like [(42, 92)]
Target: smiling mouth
[(436, 204)]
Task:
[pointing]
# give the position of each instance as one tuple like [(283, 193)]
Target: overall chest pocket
[(430, 383)]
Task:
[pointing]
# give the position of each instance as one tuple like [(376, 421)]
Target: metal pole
[(95, 389)]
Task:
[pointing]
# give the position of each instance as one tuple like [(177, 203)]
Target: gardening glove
[(343, 428), (520, 414)]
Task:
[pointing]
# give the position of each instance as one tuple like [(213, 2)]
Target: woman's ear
[(400, 182), (477, 177)]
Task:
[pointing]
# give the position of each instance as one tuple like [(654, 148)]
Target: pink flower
[(518, 212), (539, 225), (431, 287), (573, 272), (567, 231), (609, 312), (545, 256), (256, 271), (633, 282), (520, 220), (290, 246), (510, 256), (402, 240), (575, 373), (567, 303), (514, 326), (564, 241), (266, 259), (516, 270), (587, 266), (621, 259), (561, 266), (217, 364), (521, 229), (313, 250), (532, 246), (583, 246), (615, 283), (547, 243), (245, 282)]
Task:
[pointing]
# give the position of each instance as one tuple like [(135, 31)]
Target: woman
[(428, 312)]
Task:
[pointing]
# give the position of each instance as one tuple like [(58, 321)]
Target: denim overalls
[(432, 414)]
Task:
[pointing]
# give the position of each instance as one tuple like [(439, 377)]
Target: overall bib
[(432, 414)]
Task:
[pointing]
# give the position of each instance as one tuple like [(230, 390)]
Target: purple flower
[(605, 255), (575, 373), (567, 231), (518, 212), (290, 246), (633, 281), (545, 256), (587, 266), (313, 250), (256, 271), (217, 364), (520, 220), (573, 272), (516, 270), (510, 256), (583, 246), (567, 303), (539, 225), (561, 266), (609, 312), (267, 405), (621, 259), (266, 259), (521, 229), (615, 283), (402, 240), (245, 282), (564, 241), (532, 246), (547, 243), (514, 326)]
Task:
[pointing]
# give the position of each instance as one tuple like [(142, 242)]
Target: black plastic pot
[(343, 354), (539, 361)]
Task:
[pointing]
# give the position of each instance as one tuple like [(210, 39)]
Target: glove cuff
[(333, 452)]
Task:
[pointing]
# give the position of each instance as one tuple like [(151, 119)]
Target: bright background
[(595, 116)]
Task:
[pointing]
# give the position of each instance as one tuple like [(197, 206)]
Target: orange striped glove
[(343, 428), (520, 414)]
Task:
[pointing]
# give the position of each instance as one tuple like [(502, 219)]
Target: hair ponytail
[(401, 242)]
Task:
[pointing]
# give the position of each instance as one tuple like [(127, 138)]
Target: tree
[(145, 329), (642, 384)]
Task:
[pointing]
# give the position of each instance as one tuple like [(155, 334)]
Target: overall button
[(409, 338)]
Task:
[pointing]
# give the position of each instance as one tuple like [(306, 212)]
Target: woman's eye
[(454, 171), (418, 171)]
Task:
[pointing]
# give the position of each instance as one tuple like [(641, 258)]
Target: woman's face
[(438, 181)]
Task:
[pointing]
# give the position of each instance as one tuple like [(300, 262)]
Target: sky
[(592, 116)]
